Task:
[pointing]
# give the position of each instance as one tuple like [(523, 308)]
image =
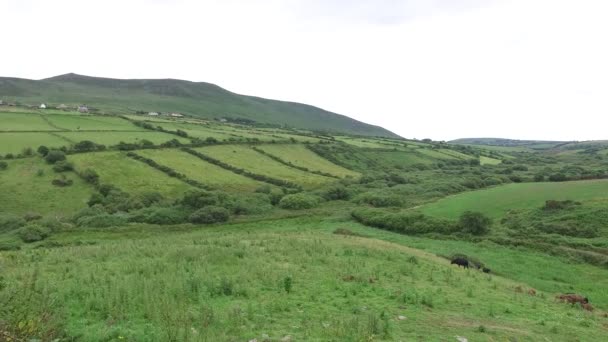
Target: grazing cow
[(572, 298), (532, 292), (460, 262), (486, 270), (587, 306)]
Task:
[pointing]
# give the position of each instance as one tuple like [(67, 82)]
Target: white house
[(62, 106), (42, 106), (1, 103), (153, 114), (176, 115), (83, 109)]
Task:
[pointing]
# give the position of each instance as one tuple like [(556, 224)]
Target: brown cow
[(572, 298), (587, 306), (532, 292)]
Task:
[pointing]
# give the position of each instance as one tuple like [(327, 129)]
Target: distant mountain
[(197, 99)]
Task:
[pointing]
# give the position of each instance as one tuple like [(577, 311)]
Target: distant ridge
[(198, 99)]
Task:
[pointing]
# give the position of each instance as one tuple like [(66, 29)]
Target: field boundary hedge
[(284, 162), (243, 172)]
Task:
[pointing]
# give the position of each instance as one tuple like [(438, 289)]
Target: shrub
[(43, 150), (558, 177), (54, 156), (86, 146), (299, 201), (247, 204), (27, 152), (403, 222), (210, 214), (557, 205), (335, 193), (474, 223), (10, 222), (90, 176), (159, 215), (379, 199), (102, 220), (3, 165), (33, 233), (62, 166), (62, 181), (31, 216), (202, 198)]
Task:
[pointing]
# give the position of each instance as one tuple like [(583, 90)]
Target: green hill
[(197, 99)]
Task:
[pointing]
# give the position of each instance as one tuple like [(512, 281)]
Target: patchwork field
[(26, 187), (195, 131), (23, 122), (248, 159), (495, 202), (91, 123), (16, 142), (129, 175), (301, 156), (113, 138), (202, 171), (483, 160)]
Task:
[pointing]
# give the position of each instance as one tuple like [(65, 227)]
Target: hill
[(197, 99)]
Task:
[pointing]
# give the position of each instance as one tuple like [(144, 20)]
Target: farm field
[(16, 142), (483, 160), (110, 138), (368, 143), (196, 131), (301, 156), (26, 187), (91, 123), (248, 159), (202, 171), (495, 202), (278, 278), (23, 122), (129, 175)]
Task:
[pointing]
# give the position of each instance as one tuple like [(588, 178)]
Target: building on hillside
[(62, 106), (42, 106), (153, 114), (176, 115), (1, 103), (83, 109)]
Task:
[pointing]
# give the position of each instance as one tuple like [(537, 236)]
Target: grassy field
[(92, 122), (197, 169), (113, 138), (276, 279), (495, 202), (301, 156), (489, 161), (23, 122), (129, 175), (246, 158), (16, 142), (26, 187), (195, 131)]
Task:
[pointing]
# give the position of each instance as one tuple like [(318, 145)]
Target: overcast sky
[(441, 69)]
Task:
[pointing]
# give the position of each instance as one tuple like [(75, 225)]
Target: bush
[(474, 223), (202, 198), (558, 177), (403, 222), (43, 150), (299, 201), (62, 181), (10, 222), (247, 204), (33, 233), (27, 152), (31, 216), (3, 165), (62, 166), (380, 199), (54, 156), (335, 193), (90, 176), (210, 214), (102, 220), (159, 215)]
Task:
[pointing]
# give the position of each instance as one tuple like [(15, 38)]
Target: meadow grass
[(200, 170), (495, 202), (26, 187), (113, 138), (16, 142), (248, 159), (23, 122), (195, 131), (483, 160), (299, 155), (92, 122), (129, 175), (270, 278)]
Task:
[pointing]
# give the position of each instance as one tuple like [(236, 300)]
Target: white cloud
[(519, 69)]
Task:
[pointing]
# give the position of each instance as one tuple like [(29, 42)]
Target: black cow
[(486, 270), (460, 262)]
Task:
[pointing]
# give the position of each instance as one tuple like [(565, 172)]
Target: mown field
[(497, 201), (91, 123), (15, 142), (113, 138), (10, 122), (270, 280)]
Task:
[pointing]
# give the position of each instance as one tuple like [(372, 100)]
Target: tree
[(54, 156), (475, 223), (3, 165), (210, 214), (90, 176), (84, 146), (43, 150)]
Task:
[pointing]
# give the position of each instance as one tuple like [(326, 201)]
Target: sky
[(440, 69)]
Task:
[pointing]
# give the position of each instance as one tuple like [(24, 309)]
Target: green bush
[(102, 220), (338, 192), (247, 204), (380, 198), (10, 222), (210, 214), (3, 165), (43, 150), (202, 198), (299, 201), (62, 166), (90, 176), (474, 223), (159, 215), (403, 222), (54, 156), (33, 233)]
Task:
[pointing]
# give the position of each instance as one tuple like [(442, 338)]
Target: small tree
[(475, 223), (3, 165), (54, 156), (90, 176), (210, 214), (33, 233), (43, 150)]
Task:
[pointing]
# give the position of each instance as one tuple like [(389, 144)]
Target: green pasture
[(248, 159), (16, 142), (483, 160), (23, 122), (301, 156), (495, 202), (110, 138), (91, 123), (200, 170), (196, 131), (129, 175), (26, 187)]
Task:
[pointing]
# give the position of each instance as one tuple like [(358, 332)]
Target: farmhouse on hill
[(62, 106), (83, 109), (153, 114), (42, 106), (176, 115)]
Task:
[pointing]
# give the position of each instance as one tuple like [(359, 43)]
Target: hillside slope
[(198, 99)]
